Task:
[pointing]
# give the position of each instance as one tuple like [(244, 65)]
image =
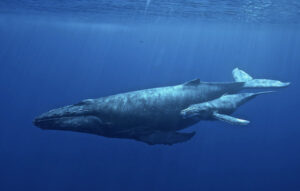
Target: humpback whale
[(154, 116), (220, 108)]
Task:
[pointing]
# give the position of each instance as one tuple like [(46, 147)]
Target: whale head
[(79, 117)]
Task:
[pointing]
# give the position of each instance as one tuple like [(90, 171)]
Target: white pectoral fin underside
[(229, 119)]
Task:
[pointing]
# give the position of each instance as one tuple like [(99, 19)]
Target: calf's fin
[(230, 119)]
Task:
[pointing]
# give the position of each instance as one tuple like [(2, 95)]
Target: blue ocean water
[(55, 53)]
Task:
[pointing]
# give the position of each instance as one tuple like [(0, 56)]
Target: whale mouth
[(49, 122)]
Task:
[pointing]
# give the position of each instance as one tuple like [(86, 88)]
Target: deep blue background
[(46, 64)]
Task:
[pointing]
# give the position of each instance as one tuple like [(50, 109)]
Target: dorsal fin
[(193, 82)]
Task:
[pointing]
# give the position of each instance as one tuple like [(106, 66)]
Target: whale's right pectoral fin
[(229, 119), (165, 138)]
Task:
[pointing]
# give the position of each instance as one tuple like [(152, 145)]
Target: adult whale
[(152, 116)]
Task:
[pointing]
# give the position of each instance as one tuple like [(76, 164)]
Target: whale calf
[(152, 116), (220, 108)]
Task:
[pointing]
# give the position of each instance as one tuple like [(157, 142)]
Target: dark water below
[(54, 53)]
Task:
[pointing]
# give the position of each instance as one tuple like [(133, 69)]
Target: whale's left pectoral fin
[(229, 119), (165, 138)]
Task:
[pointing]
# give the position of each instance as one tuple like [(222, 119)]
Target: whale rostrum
[(156, 115)]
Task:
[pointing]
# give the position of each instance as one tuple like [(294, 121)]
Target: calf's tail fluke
[(242, 76)]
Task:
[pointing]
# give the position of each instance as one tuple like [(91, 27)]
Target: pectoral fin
[(166, 138), (229, 119)]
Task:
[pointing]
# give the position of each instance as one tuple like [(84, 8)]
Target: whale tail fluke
[(242, 76)]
